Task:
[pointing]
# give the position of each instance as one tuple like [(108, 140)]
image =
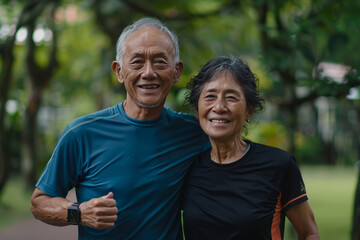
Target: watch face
[(73, 216)]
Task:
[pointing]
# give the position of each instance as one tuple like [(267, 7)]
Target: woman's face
[(222, 107)]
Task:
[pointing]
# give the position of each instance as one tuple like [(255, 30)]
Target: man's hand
[(99, 213)]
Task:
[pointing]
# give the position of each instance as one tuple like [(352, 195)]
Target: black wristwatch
[(74, 214)]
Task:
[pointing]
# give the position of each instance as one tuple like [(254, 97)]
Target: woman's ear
[(249, 115)]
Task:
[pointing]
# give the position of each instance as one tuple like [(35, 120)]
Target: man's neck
[(138, 112)]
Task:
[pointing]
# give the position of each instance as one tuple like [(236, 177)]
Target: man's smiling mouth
[(149, 86)]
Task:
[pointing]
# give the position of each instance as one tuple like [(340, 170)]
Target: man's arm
[(303, 220), (98, 213)]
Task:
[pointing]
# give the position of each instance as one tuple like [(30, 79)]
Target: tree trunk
[(356, 214), (39, 77), (29, 142), (5, 78), (291, 126)]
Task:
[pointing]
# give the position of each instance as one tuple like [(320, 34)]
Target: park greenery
[(55, 58)]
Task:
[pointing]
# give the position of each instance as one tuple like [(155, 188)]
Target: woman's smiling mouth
[(219, 121)]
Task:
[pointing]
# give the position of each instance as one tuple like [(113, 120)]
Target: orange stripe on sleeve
[(294, 200), (275, 226)]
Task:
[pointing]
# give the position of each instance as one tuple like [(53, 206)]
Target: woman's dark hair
[(242, 73)]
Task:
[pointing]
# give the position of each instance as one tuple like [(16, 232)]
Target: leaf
[(307, 52), (337, 41)]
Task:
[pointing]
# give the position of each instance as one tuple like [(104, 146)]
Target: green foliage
[(269, 133), (309, 150), (80, 57)]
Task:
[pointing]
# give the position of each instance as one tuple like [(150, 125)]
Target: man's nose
[(148, 72)]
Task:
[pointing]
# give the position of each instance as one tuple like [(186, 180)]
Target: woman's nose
[(219, 106)]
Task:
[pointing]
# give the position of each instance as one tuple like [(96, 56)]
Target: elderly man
[(127, 162)]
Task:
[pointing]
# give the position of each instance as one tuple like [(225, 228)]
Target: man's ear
[(178, 70), (117, 70)]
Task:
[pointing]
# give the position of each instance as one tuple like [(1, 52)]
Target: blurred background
[(56, 65)]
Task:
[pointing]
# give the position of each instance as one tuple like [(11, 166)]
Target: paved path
[(32, 229)]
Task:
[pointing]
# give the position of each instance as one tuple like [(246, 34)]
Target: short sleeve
[(293, 191), (63, 169)]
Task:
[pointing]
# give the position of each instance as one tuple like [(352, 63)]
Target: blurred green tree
[(29, 13)]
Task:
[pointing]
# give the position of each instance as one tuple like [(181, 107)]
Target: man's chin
[(145, 105)]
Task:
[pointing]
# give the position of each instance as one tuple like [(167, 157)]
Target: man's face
[(148, 68)]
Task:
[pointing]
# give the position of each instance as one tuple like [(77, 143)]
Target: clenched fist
[(99, 213)]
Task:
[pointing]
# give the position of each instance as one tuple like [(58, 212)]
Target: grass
[(14, 203), (331, 196), (330, 189)]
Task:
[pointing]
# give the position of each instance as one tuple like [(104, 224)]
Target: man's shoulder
[(180, 116), (107, 113)]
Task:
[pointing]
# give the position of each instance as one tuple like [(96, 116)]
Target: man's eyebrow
[(154, 55), (137, 54)]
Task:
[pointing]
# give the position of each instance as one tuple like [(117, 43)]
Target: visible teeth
[(219, 121), (149, 87)]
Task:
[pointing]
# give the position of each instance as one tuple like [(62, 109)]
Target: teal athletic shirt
[(142, 162)]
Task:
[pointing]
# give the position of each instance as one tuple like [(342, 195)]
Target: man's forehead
[(147, 39), (148, 32)]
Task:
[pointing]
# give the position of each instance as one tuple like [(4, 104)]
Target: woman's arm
[(302, 218)]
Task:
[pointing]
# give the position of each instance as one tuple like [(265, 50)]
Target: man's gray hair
[(144, 22)]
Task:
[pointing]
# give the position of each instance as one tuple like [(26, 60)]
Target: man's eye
[(160, 61), (137, 61)]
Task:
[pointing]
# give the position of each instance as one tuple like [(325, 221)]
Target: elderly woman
[(239, 189)]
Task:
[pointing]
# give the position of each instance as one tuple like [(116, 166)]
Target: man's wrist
[(74, 214)]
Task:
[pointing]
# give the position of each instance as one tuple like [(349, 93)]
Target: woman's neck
[(229, 151)]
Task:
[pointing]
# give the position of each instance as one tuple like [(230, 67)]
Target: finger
[(108, 219), (110, 195), (113, 211), (104, 225), (107, 203)]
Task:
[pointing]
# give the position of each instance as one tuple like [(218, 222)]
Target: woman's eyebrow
[(213, 90)]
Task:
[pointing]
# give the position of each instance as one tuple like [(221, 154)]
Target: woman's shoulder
[(270, 151)]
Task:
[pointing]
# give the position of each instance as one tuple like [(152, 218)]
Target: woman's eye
[(231, 97), (209, 96)]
